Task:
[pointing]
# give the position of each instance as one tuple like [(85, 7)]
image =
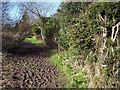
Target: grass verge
[(32, 40), (36, 42), (76, 75)]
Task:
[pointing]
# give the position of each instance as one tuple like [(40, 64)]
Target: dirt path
[(29, 67)]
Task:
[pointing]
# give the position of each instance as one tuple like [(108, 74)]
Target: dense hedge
[(90, 35)]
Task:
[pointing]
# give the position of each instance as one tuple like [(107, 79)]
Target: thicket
[(90, 32)]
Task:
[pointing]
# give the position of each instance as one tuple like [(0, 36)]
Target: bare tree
[(13, 36), (6, 7), (37, 10)]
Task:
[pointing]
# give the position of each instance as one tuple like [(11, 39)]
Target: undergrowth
[(68, 65)]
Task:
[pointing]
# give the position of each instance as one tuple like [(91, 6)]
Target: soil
[(29, 67)]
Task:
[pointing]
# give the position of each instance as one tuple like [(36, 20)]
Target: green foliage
[(78, 81), (79, 37), (36, 31), (57, 62), (74, 32), (81, 33), (66, 12), (76, 78), (105, 9), (50, 31), (78, 28), (49, 28), (62, 39)]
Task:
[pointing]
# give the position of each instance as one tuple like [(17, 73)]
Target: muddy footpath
[(29, 67)]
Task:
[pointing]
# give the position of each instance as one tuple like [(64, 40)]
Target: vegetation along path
[(29, 67)]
